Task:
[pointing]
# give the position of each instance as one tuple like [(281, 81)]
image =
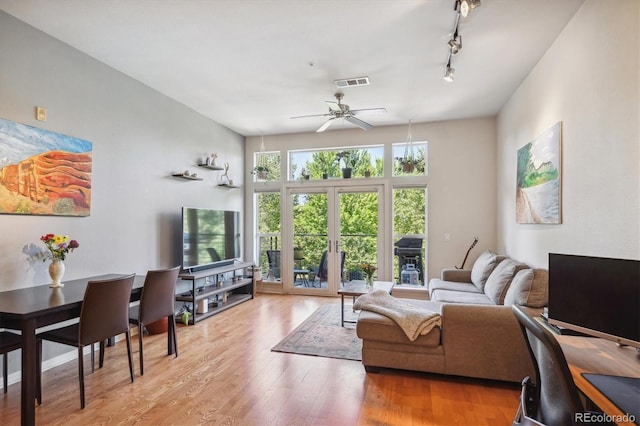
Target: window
[(266, 166), (268, 235), (409, 223), (323, 164), (410, 159)]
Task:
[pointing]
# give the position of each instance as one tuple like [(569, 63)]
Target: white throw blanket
[(413, 320)]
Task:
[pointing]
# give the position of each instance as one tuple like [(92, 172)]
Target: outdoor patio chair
[(322, 273), (273, 256)]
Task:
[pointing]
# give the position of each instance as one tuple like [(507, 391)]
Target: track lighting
[(462, 8)]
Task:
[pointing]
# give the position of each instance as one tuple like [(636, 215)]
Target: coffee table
[(357, 288)]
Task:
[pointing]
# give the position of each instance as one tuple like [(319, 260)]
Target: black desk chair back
[(104, 314), (8, 342), (553, 397), (156, 303)]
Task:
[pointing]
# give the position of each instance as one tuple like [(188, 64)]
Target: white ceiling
[(247, 63)]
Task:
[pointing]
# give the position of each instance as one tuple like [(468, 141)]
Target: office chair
[(104, 314), (552, 399), (156, 303), (8, 342)]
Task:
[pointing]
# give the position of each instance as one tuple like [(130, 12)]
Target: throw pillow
[(482, 268), (498, 282), (529, 288)]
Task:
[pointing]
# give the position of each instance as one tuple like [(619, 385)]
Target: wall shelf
[(207, 166), (226, 185), (183, 176)]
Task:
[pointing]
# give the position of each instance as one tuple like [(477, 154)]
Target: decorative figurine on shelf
[(226, 180), (211, 160)]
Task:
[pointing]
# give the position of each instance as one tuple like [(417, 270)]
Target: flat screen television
[(596, 296), (209, 238)]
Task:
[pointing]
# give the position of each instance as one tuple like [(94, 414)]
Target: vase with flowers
[(368, 269), (59, 247)]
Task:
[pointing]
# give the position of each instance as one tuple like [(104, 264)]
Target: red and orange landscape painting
[(43, 172)]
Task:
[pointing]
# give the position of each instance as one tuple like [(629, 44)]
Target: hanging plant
[(408, 160), (261, 172)]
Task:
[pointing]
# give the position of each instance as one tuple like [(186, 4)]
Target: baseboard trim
[(56, 361)]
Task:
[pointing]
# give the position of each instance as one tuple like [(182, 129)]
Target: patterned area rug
[(322, 335)]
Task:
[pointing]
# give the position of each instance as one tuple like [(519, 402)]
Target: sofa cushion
[(529, 288), (438, 284), (452, 296), (498, 282), (482, 268)]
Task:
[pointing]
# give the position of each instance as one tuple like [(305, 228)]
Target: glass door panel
[(359, 231), (310, 226), (333, 232)]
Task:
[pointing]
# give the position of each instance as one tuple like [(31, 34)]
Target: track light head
[(448, 74), (455, 44), (467, 6)]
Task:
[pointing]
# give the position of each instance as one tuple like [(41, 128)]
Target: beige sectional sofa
[(479, 336)]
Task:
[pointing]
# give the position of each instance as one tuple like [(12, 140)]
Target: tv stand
[(214, 290)]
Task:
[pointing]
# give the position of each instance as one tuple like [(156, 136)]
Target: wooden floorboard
[(226, 374)]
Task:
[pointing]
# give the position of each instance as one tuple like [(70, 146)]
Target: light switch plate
[(41, 114)]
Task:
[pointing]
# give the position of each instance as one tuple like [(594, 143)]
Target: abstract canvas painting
[(43, 172), (538, 179)]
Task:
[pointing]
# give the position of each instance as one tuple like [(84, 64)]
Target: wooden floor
[(226, 374)]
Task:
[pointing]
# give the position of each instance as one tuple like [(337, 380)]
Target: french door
[(329, 232)]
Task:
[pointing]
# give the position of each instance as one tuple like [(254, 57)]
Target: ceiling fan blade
[(326, 125), (312, 115), (368, 111), (357, 122), (333, 106)]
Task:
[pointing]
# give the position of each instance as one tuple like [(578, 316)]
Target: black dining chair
[(104, 314), (8, 342), (551, 397), (156, 303)]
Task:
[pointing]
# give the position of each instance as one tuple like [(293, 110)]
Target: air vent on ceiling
[(352, 82)]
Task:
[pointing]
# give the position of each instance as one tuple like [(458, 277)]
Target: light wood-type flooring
[(226, 374)]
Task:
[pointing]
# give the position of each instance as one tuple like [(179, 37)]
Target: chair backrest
[(323, 271), (556, 396), (158, 295), (105, 309), (273, 256)]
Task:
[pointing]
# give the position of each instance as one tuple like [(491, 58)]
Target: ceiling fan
[(340, 110)]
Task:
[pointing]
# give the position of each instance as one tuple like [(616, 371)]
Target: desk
[(593, 355), (27, 309)]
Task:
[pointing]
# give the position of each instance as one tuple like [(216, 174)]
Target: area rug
[(322, 335)]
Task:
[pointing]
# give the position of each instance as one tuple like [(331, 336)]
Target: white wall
[(139, 138), (589, 80), (461, 179)]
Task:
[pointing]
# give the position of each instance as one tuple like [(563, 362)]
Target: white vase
[(56, 272)]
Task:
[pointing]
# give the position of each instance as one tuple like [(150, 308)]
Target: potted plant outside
[(348, 162)]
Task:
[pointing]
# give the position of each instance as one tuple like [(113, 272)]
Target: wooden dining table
[(28, 309)]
